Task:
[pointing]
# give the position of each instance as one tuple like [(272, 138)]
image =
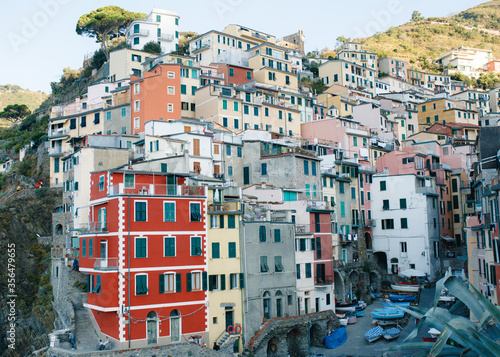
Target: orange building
[(156, 96)]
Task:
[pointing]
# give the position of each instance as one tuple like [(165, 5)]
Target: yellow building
[(225, 280), (272, 66), (342, 103), (249, 34), (446, 111), (349, 75)]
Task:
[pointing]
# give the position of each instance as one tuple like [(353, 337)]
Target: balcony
[(58, 132), (157, 190), (302, 229), (346, 238), (166, 37), (324, 280), (356, 222), (92, 227), (106, 264), (201, 47), (140, 33), (370, 223), (223, 207), (259, 36), (57, 151), (426, 189)]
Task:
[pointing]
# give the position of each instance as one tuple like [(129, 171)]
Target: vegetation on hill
[(13, 94), (422, 40)]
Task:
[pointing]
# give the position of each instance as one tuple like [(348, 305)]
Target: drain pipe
[(128, 263)]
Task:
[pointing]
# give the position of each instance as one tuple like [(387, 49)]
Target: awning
[(448, 239), (58, 121)]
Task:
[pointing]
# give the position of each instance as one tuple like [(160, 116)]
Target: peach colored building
[(156, 96)]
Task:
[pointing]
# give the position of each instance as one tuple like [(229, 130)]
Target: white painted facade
[(161, 26), (418, 245)]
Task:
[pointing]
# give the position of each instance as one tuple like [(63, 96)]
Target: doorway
[(152, 328), (104, 254), (175, 326), (317, 304), (306, 305), (229, 317)]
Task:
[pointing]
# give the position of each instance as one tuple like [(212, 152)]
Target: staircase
[(86, 337), (227, 342)]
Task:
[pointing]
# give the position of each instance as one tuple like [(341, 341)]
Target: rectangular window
[(195, 212), (402, 203), (169, 249), (196, 246), (263, 264), (383, 186), (342, 208), (404, 223), (306, 167), (387, 224), (313, 168), (231, 246), (298, 271), (231, 221), (278, 264), (140, 211), (277, 235), (141, 247), (246, 109), (141, 284), (84, 247), (224, 104), (308, 270), (403, 246), (263, 169), (129, 180), (341, 188), (221, 221), (353, 193), (262, 234), (215, 251), (233, 281), (228, 150), (236, 106), (256, 111), (239, 151)]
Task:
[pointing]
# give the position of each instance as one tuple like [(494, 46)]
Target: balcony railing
[(324, 280), (140, 33), (302, 228), (426, 189), (58, 132), (92, 227), (223, 207), (157, 190), (166, 37), (56, 151), (106, 264)]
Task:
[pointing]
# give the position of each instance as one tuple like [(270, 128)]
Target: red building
[(144, 251), (234, 75)]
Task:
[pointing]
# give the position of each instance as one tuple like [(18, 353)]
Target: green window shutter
[(84, 247), (242, 281), (298, 271), (178, 282), (162, 283), (210, 284), (215, 250), (231, 221), (277, 235), (232, 249), (223, 282), (140, 248), (163, 167), (402, 203), (221, 221), (262, 234), (383, 186), (204, 281), (188, 282), (88, 282), (169, 247)]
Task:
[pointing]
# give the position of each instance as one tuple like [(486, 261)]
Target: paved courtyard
[(356, 344)]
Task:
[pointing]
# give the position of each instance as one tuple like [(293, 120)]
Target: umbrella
[(413, 273)]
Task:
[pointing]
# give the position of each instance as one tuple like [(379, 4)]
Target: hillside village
[(211, 197)]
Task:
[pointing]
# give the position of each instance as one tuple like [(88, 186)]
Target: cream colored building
[(225, 277), (466, 60), (126, 62), (349, 75), (249, 34), (353, 52)]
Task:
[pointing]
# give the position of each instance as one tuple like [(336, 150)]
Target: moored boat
[(391, 333), (360, 313), (388, 315), (395, 304), (361, 305), (345, 308), (374, 334), (402, 298), (404, 283), (405, 288)]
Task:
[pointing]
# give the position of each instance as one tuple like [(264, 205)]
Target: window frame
[(191, 213), (165, 211), (165, 246), (135, 247), (136, 211), (135, 284)]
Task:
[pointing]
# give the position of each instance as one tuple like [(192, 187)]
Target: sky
[(38, 38)]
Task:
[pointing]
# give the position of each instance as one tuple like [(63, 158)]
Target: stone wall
[(290, 335), (66, 295), (184, 349)]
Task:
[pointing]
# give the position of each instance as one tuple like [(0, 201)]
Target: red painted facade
[(124, 222), (151, 98), (321, 225), (235, 75)]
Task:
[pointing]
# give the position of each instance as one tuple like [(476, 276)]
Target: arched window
[(267, 305), (279, 304)]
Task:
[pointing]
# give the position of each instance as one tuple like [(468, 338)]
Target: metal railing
[(56, 151), (139, 33), (58, 132), (92, 227), (157, 190), (106, 264), (324, 280), (223, 207)]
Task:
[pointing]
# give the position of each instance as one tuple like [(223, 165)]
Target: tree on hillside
[(469, 82), (15, 112), (106, 23), (416, 16), (152, 47), (341, 40)]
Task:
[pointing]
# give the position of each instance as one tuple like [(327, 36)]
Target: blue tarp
[(336, 338)]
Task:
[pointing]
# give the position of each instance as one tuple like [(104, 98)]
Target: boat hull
[(405, 288), (402, 298)]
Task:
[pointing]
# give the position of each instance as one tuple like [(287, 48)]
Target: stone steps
[(86, 336)]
